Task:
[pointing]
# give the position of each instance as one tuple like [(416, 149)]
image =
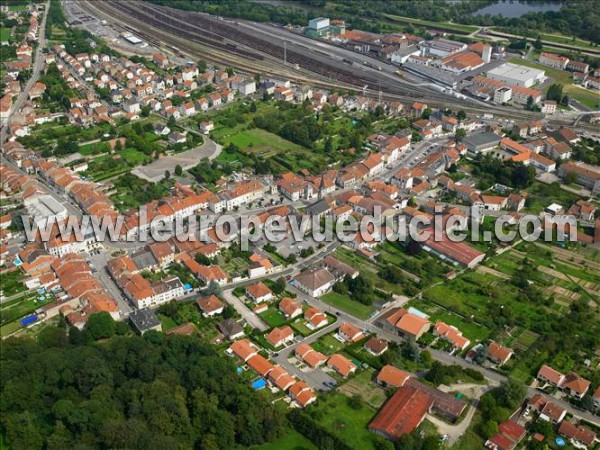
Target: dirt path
[(454, 432)]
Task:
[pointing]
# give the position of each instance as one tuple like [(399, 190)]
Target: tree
[(167, 174), (570, 178), (101, 325), (202, 65), (214, 288), (202, 259), (426, 113), (253, 107), (538, 44), (461, 115), (460, 134), (410, 349), (489, 428), (530, 103), (178, 170), (555, 92), (481, 354), (279, 286), (355, 402), (228, 312)]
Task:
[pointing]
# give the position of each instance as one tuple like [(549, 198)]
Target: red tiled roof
[(392, 376), (402, 413), (260, 364)]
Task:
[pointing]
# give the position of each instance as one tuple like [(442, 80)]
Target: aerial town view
[(300, 224)]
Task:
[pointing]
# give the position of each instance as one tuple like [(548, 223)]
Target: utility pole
[(285, 53)]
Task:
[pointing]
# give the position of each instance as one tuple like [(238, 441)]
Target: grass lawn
[(348, 305), (559, 39), (466, 29), (345, 422), (4, 34), (166, 322), (273, 317), (9, 328), (134, 156), (256, 140), (292, 440), (588, 98), (328, 345), (22, 7)]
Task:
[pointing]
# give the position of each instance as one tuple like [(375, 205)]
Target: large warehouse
[(516, 75)]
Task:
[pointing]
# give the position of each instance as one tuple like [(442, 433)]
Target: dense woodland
[(575, 18), (158, 391)]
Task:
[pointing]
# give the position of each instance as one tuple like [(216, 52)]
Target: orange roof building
[(392, 376), (341, 365)]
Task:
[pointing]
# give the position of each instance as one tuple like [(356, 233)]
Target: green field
[(369, 270), (559, 39), (256, 139), (348, 305), (463, 29), (347, 423), (470, 329), (12, 283), (364, 386), (291, 440), (588, 98), (22, 7), (166, 322), (4, 34)]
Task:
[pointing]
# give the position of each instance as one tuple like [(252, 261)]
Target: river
[(511, 8)]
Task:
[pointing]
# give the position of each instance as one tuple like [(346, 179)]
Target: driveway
[(244, 311), (454, 432), (155, 171)]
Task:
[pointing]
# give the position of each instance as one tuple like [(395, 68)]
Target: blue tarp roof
[(259, 384), (28, 320)]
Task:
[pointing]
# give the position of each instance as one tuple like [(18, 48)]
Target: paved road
[(315, 378), (249, 316), (38, 65), (155, 171)]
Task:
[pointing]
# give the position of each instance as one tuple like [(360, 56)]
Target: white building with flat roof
[(517, 75), (318, 23)]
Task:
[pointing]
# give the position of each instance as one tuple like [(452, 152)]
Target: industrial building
[(481, 142), (134, 40), (517, 75), (318, 27)]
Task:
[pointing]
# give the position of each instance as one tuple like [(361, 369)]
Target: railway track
[(235, 45)]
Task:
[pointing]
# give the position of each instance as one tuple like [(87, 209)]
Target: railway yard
[(260, 48)]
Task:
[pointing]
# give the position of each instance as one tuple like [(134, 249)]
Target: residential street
[(38, 65)]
